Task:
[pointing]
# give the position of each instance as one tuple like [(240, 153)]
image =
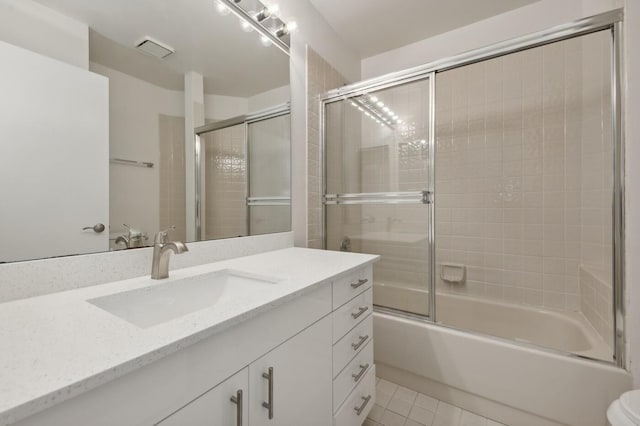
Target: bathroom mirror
[(100, 108)]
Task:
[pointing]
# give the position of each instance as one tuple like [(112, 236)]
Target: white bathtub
[(515, 384), (562, 331)]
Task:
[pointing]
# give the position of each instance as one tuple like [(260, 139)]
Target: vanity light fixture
[(251, 20)]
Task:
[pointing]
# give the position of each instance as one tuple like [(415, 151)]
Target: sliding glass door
[(378, 152)]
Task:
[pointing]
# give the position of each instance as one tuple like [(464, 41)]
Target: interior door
[(54, 150)]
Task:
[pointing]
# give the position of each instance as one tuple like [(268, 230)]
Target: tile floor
[(399, 406)]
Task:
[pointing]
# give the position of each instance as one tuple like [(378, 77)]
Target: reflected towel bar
[(131, 162)]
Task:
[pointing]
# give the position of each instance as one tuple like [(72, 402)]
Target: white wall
[(632, 182), (314, 31), (32, 26), (534, 17), (270, 98), (134, 113)]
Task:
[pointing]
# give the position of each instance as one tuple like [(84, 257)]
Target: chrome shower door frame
[(611, 21)]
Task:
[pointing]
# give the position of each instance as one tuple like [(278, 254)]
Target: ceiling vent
[(154, 48)]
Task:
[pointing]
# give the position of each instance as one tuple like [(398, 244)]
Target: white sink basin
[(158, 303)]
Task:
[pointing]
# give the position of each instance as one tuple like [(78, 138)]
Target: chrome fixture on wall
[(265, 20)]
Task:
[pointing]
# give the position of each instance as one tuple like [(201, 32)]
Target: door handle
[(269, 404), (97, 228), (237, 399)]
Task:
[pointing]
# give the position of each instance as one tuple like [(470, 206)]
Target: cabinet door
[(301, 380), (215, 407)]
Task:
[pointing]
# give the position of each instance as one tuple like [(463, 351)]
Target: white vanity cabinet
[(353, 367), (307, 361), (287, 386), (216, 407), (290, 385)]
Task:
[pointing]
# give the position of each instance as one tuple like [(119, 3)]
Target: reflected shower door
[(269, 200), (224, 183), (377, 157)]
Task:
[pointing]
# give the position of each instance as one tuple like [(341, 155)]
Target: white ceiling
[(376, 26), (233, 62)]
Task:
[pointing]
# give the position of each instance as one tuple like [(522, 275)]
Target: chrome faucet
[(161, 251)]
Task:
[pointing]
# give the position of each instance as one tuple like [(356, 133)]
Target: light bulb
[(266, 41), (292, 26), (246, 27), (380, 104), (373, 99), (398, 121), (386, 109), (222, 9), (367, 114), (390, 113), (354, 104)]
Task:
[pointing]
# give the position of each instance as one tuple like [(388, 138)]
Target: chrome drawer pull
[(269, 405), (360, 409), (361, 310), (359, 283), (357, 376), (363, 339), (237, 399)]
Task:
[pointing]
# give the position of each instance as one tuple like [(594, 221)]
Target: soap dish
[(452, 272)]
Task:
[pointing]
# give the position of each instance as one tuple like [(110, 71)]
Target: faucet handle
[(161, 237)]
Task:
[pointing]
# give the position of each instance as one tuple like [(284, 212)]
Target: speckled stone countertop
[(58, 346)]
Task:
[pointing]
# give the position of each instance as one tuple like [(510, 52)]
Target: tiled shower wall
[(172, 176), (522, 162), (320, 77)]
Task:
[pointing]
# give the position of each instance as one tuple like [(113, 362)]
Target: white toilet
[(625, 411)]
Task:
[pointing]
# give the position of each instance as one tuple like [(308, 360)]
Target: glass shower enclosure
[(491, 186)]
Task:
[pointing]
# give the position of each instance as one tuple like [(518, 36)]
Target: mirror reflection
[(98, 146)]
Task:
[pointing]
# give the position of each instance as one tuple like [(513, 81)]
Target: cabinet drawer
[(351, 314), (351, 285), (358, 405), (351, 344), (352, 375)]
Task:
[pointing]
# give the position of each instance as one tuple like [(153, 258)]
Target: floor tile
[(405, 394), (421, 415), (383, 398), (426, 402), (386, 387), (389, 418), (376, 412), (399, 406)]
